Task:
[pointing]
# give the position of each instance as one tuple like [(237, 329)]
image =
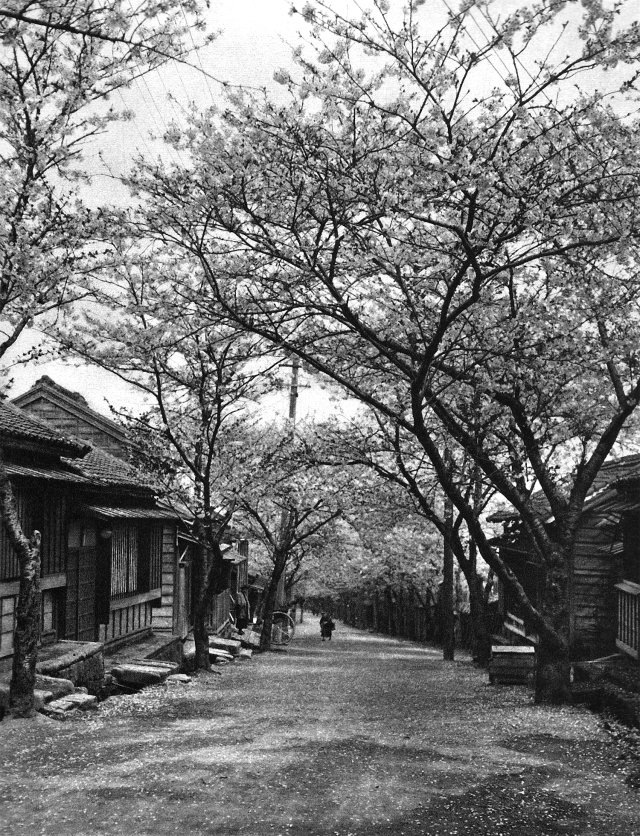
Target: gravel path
[(360, 736)]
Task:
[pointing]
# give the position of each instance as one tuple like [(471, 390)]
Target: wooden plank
[(513, 649), (519, 663), (629, 651), (517, 631), (132, 600), (53, 581)]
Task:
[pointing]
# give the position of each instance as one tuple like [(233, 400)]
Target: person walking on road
[(326, 626)]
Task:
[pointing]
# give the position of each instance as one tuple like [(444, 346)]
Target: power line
[(206, 75)]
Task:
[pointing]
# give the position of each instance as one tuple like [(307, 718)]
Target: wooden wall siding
[(69, 424), (9, 567), (165, 617), (242, 573), (220, 610), (54, 508), (46, 512), (127, 621), (124, 559), (596, 567), (81, 594)]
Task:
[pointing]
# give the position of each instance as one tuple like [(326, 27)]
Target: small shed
[(604, 585)]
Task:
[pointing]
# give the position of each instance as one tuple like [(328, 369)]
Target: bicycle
[(283, 628)]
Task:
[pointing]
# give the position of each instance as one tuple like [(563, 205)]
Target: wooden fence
[(399, 612), (396, 612)]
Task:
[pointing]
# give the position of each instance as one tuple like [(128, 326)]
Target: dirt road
[(359, 736)]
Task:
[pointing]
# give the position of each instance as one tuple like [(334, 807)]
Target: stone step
[(84, 702), (230, 645), (250, 639), (139, 674), (161, 664), (57, 687), (179, 678), (215, 654)]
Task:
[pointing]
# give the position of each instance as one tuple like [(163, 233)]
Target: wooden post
[(447, 596)]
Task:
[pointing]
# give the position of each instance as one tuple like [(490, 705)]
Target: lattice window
[(9, 565), (124, 559), (155, 557)]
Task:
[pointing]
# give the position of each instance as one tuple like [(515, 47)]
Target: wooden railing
[(515, 625), (628, 638)]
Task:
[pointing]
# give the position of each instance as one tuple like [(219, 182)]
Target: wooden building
[(45, 486), (127, 566), (135, 550), (604, 584)]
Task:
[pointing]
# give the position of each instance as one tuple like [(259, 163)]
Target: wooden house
[(44, 485), (138, 548), (127, 566), (604, 584)]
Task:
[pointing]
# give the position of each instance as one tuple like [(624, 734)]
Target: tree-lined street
[(364, 735)]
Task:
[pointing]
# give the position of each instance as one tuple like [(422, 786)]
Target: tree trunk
[(553, 658), (211, 577), (201, 609), (280, 561), (553, 673), (25, 643), (481, 638), (481, 649), (446, 597)]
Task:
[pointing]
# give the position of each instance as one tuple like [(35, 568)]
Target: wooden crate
[(512, 665)]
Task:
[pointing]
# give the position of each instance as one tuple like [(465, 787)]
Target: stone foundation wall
[(173, 651), (83, 664)]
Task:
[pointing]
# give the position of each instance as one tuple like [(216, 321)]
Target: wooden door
[(81, 581)]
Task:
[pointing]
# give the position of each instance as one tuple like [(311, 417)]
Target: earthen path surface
[(361, 736)]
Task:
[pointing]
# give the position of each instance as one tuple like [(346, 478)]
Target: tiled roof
[(110, 513), (104, 469), (52, 474), (625, 470), (18, 425)]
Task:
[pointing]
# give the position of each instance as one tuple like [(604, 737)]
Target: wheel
[(282, 629)]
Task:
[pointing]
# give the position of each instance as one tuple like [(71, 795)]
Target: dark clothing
[(326, 627), (242, 611)]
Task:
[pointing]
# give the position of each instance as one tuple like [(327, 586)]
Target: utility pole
[(293, 391), (447, 596)]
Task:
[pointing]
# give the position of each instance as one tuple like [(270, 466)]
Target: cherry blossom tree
[(288, 507), (442, 218), (402, 472), (59, 63), (200, 384)]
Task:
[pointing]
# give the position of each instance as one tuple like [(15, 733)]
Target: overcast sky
[(254, 41), (256, 38)]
